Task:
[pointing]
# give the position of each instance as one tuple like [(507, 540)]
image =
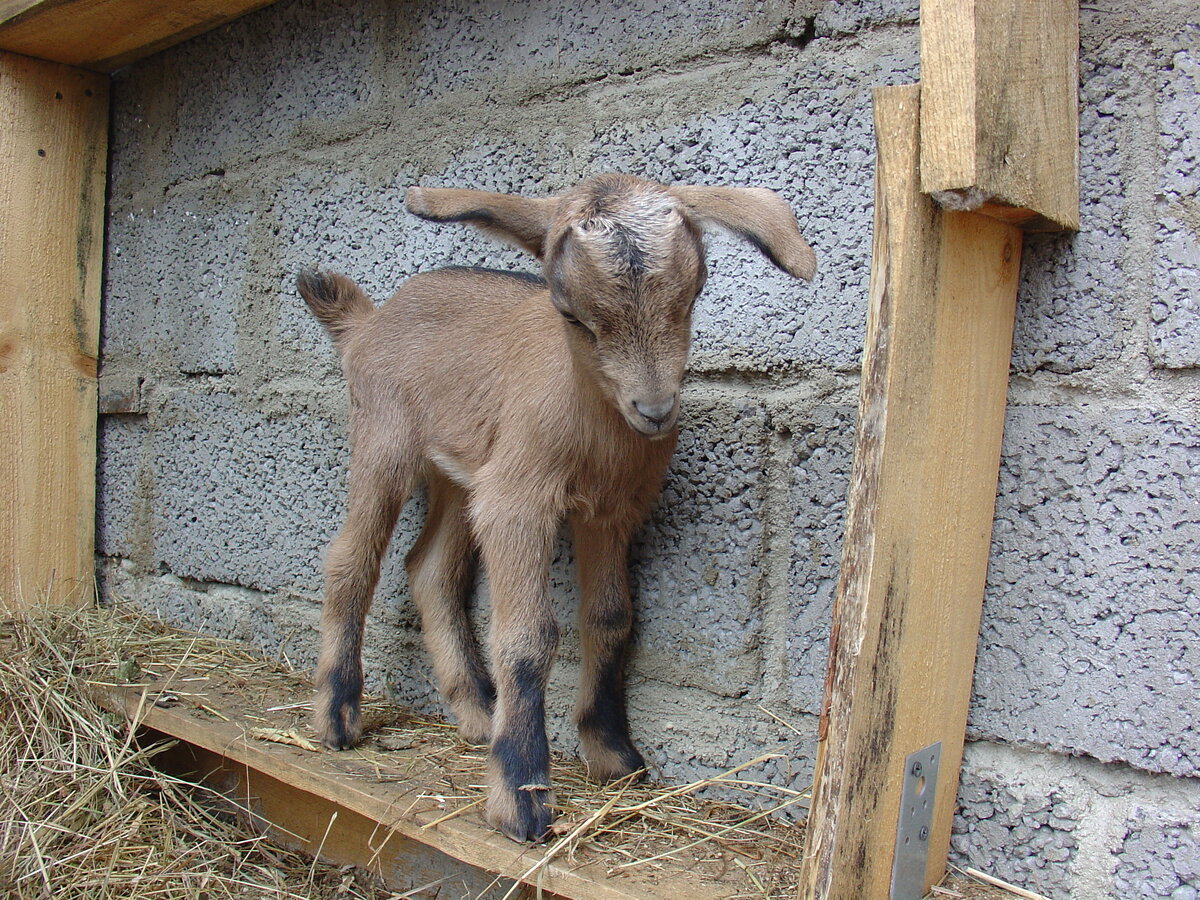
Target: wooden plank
[(338, 835), (330, 781), (906, 615), (52, 169), (104, 35), (999, 108)]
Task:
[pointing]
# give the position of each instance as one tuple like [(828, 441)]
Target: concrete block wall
[(287, 138)]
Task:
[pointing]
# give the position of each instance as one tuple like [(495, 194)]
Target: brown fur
[(522, 404)]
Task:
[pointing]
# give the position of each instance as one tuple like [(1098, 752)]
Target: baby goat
[(522, 402)]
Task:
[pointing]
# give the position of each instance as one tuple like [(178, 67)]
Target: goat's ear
[(522, 220), (758, 215)]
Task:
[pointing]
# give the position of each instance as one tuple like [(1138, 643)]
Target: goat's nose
[(656, 411)]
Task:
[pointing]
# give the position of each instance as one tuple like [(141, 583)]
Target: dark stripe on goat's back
[(479, 216), (524, 277)]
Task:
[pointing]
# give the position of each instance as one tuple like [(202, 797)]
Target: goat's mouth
[(654, 420)]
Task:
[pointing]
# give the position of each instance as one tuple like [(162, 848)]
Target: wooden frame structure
[(991, 133)]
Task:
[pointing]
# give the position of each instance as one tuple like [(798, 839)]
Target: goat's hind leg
[(381, 477), (441, 574)]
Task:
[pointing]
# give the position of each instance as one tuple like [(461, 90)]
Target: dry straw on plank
[(87, 807), (85, 814)]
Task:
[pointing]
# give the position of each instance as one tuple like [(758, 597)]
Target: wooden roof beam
[(106, 35)]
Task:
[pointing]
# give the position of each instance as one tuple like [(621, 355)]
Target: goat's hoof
[(338, 729), (612, 761), (523, 815), (337, 743), (474, 727)]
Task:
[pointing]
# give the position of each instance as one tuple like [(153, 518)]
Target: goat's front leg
[(515, 546), (605, 623)]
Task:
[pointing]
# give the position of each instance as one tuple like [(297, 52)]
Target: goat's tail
[(336, 301)]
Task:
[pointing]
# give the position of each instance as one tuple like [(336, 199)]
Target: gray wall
[(288, 138)]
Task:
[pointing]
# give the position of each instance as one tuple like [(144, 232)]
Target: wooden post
[(53, 145), (1000, 109), (991, 134), (906, 616)]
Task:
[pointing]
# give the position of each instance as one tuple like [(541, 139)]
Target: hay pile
[(83, 812)]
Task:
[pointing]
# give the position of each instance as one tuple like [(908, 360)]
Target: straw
[(84, 815)]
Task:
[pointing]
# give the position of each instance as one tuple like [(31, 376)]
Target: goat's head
[(624, 260)]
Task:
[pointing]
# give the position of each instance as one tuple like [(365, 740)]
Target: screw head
[(917, 769), (923, 834)]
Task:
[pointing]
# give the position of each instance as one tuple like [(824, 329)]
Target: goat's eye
[(574, 321)]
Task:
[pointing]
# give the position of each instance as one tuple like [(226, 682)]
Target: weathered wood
[(104, 35), (906, 615), (321, 783), (318, 827), (999, 108), (52, 169)]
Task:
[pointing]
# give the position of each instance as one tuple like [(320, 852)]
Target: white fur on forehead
[(635, 232)]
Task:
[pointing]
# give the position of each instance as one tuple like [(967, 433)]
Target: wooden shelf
[(351, 808)]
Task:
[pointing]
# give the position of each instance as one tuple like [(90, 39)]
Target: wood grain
[(313, 825), (104, 35), (337, 781), (52, 170), (922, 495), (999, 108)]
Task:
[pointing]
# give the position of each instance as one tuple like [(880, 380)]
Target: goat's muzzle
[(654, 417)]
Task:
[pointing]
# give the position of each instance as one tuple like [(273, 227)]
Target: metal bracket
[(914, 822)]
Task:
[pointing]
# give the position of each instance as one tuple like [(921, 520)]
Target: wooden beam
[(999, 108), (53, 147), (314, 825), (104, 35), (906, 616), (306, 788)]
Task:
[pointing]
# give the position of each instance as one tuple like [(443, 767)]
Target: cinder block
[(243, 499), (535, 46), (1015, 832), (122, 502), (823, 449), (1090, 615), (697, 564), (851, 16), (1159, 854), (175, 276), (280, 626), (1175, 306), (228, 95), (1073, 288)]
